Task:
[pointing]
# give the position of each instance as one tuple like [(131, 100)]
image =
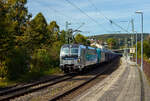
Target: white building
[(97, 45)]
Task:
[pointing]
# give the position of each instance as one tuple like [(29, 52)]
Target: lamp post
[(136, 48), (139, 12)]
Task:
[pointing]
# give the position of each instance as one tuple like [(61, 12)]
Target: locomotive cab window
[(65, 50), (74, 50)]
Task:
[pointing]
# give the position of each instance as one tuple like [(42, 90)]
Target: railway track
[(22, 90), (64, 95), (61, 86)]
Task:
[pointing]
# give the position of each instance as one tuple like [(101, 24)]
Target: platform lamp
[(141, 13)]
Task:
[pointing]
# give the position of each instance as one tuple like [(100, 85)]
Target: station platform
[(127, 83)]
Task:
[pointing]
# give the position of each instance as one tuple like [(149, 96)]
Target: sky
[(93, 16)]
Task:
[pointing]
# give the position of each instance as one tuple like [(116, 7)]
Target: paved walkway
[(127, 83)]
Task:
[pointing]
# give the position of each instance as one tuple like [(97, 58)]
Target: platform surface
[(127, 83)]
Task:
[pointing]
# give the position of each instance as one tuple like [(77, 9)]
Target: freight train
[(76, 57)]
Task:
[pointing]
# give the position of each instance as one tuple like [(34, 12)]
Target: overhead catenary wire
[(85, 14), (99, 12), (62, 14), (128, 25), (110, 21)]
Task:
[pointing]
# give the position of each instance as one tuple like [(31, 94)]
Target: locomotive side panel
[(98, 50), (91, 56)]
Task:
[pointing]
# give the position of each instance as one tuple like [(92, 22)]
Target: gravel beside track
[(21, 90)]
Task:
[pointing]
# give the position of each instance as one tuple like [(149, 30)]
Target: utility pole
[(141, 13), (132, 35), (142, 41), (67, 32), (126, 45), (67, 23), (132, 22), (136, 47)]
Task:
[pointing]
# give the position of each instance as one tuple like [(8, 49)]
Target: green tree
[(148, 39), (80, 39), (13, 21), (111, 43), (17, 63), (25, 44), (146, 49), (53, 31), (13, 18), (88, 42), (36, 32), (7, 30), (18, 14), (63, 36)]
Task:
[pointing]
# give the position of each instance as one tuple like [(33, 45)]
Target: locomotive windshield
[(69, 51), (74, 50), (65, 50)]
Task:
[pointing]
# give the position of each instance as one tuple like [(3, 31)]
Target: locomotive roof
[(77, 45), (104, 50), (72, 45)]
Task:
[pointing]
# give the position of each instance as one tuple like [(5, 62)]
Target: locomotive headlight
[(79, 60)]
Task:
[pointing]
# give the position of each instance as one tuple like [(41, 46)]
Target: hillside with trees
[(121, 40), (119, 36), (114, 40)]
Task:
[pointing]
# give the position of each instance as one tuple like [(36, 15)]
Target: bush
[(146, 49), (3, 69), (41, 60), (55, 53), (17, 63)]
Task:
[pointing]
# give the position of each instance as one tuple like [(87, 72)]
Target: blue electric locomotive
[(76, 57)]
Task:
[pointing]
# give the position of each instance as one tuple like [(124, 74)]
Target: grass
[(6, 83), (32, 76), (55, 70)]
